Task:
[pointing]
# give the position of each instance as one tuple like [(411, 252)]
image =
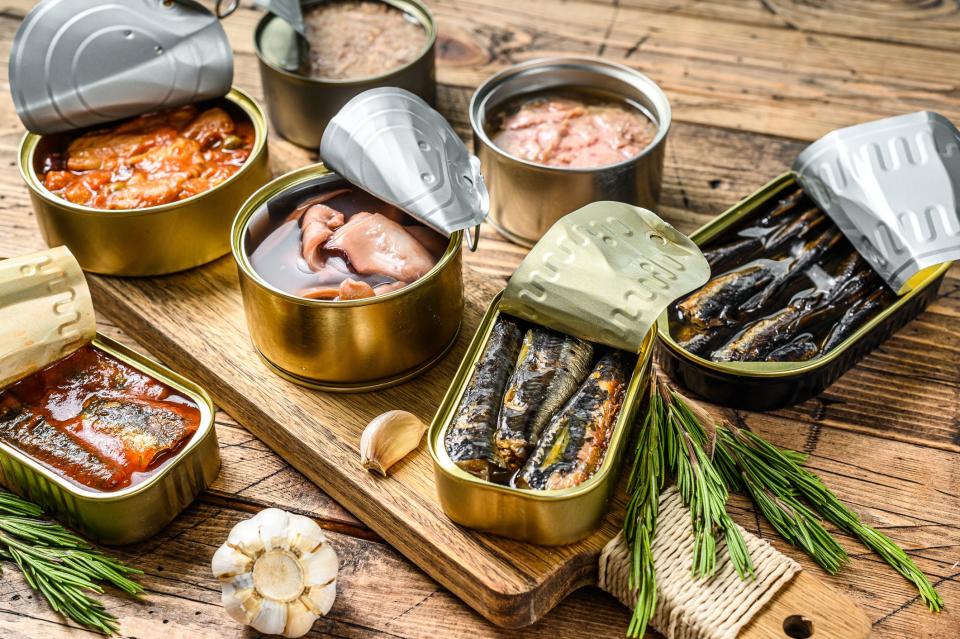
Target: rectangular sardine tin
[(771, 385), (602, 274), (138, 511)]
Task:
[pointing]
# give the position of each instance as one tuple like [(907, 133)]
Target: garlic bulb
[(278, 573), (388, 438)]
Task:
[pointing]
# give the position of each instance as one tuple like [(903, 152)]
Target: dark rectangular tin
[(768, 386)]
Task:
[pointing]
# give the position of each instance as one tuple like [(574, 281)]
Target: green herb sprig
[(708, 459), (60, 565)]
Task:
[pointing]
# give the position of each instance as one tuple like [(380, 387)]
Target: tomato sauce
[(96, 420), (153, 159)]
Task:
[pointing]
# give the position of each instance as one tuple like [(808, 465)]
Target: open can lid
[(288, 10), (605, 273), (391, 143), (892, 186), (77, 63)]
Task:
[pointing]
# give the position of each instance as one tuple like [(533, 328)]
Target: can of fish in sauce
[(347, 346), (644, 264), (767, 385), (156, 239), (140, 510), (528, 196), (299, 104)]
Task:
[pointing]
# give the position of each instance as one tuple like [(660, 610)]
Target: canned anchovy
[(149, 444), (558, 133), (344, 292), (791, 306), (140, 224), (347, 47)]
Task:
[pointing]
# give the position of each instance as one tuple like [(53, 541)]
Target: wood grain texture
[(885, 436)]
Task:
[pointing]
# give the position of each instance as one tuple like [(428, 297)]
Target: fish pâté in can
[(528, 439), (351, 271), (108, 441), (556, 134), (137, 179), (312, 66)]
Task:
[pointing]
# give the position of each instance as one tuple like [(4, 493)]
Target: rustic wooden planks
[(885, 436)]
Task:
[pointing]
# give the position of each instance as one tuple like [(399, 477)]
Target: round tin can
[(299, 106), (155, 240), (344, 346), (527, 198)]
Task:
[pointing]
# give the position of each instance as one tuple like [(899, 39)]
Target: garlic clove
[(245, 537), (229, 562), (388, 438), (320, 598), (320, 567), (233, 600), (299, 619), (273, 528), (305, 535), (272, 618)]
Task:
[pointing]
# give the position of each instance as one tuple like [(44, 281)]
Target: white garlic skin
[(388, 438), (278, 573)]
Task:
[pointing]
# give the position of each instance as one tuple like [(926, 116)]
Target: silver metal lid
[(392, 144), (288, 10), (893, 188), (76, 63)]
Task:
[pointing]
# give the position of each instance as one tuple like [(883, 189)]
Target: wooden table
[(751, 82)]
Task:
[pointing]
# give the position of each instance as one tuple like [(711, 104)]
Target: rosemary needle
[(643, 485), (60, 565)]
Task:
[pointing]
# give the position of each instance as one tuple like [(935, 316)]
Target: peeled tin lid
[(391, 143), (605, 273), (288, 10), (893, 188), (76, 63)]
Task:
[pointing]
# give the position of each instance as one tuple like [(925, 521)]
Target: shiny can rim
[(238, 97), (478, 106), (414, 8)]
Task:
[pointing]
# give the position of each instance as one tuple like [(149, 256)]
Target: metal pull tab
[(224, 8), (473, 238)]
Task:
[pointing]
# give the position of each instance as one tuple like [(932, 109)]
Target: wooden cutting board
[(194, 321)]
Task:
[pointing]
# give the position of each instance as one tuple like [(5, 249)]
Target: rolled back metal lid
[(605, 273), (289, 10), (893, 188), (76, 63), (392, 144)]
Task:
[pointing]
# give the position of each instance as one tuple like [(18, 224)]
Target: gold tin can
[(155, 240), (137, 512), (348, 346), (299, 106), (527, 198), (548, 517), (603, 274), (770, 385)]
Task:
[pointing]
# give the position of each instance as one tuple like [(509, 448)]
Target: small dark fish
[(708, 306), (855, 316), (763, 335), (783, 210), (809, 254), (550, 368), (801, 349), (574, 442), (469, 438), (796, 229), (741, 251)]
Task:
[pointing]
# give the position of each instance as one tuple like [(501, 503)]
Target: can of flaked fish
[(539, 181), (560, 493), (302, 96)]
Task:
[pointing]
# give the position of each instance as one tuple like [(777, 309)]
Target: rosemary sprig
[(829, 506), (702, 488), (61, 565), (644, 485)]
